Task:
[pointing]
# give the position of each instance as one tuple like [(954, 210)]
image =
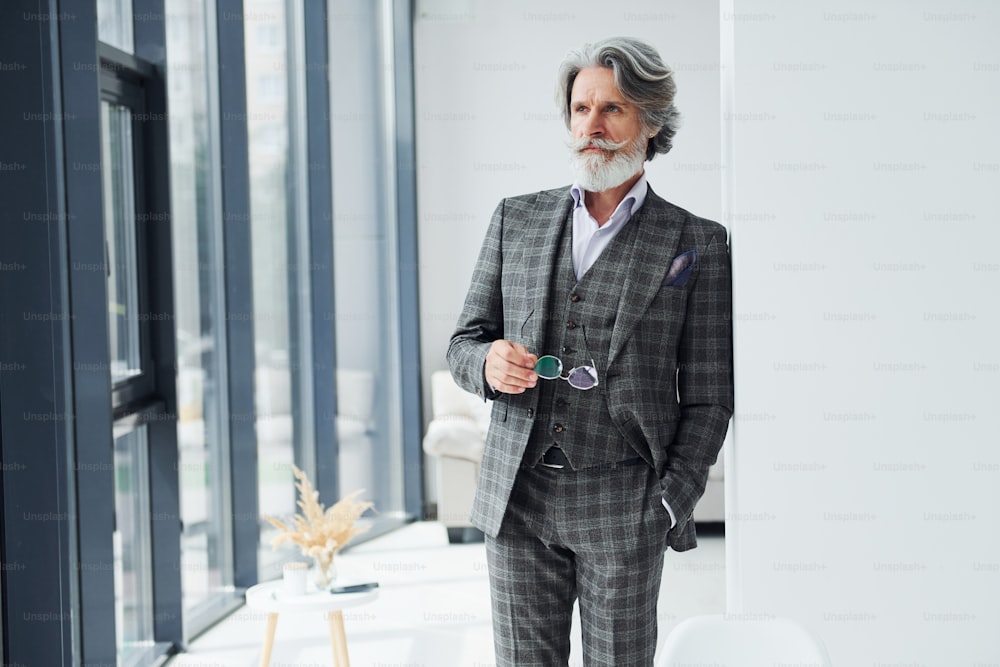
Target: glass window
[(365, 256), (125, 219), (199, 300), (268, 37), (270, 87), (279, 233), (114, 23), (120, 241), (132, 552)]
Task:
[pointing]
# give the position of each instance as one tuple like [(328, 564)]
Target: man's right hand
[(510, 367)]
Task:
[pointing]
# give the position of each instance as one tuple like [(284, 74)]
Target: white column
[(863, 191)]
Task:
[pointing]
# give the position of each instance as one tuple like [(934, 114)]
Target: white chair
[(730, 642)]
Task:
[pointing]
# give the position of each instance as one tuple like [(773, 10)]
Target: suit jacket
[(668, 383)]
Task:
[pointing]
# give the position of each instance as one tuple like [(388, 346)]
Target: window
[(369, 404), (140, 319), (279, 227), (114, 23), (133, 576), (269, 87), (268, 37), (160, 301), (129, 372), (120, 241), (199, 300)]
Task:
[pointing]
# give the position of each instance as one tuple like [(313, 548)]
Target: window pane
[(365, 264), (120, 246), (114, 23), (133, 563), (202, 427), (279, 228)]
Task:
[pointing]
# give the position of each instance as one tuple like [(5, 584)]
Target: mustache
[(577, 145)]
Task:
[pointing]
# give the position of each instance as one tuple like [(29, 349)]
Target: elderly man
[(599, 322)]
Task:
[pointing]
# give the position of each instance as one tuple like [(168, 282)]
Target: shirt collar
[(637, 195)]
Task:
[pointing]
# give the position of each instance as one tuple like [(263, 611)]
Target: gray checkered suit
[(667, 385)]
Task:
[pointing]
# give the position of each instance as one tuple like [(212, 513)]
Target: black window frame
[(62, 466), (149, 398), (123, 82)]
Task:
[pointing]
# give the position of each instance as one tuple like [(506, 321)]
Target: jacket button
[(531, 413), (574, 297), (558, 428), (566, 349), (571, 324)]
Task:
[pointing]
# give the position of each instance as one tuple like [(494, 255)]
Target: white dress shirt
[(590, 238)]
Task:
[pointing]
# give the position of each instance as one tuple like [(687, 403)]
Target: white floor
[(433, 609)]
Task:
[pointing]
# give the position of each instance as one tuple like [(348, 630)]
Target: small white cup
[(295, 575)]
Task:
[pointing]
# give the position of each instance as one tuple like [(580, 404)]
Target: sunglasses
[(581, 377)]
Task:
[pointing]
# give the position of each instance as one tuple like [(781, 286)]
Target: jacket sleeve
[(705, 381), (481, 320)]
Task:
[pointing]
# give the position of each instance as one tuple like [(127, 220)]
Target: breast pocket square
[(680, 269)]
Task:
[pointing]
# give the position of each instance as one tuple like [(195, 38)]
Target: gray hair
[(641, 76)]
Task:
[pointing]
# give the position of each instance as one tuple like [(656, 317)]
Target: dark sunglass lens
[(548, 367), (583, 377)]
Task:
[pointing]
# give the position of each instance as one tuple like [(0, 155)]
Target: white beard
[(597, 172)]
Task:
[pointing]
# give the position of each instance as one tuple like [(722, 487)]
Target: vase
[(324, 569)]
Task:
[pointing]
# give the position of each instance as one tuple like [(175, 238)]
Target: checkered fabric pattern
[(544, 558), (578, 330), (668, 381)]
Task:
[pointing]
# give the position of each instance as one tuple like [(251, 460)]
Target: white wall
[(488, 127), (864, 486)]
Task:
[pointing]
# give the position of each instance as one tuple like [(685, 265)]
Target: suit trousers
[(597, 535)]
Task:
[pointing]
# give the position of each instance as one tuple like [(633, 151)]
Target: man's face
[(609, 141), (599, 110)]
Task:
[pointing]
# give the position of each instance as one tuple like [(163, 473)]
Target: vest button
[(558, 428), (574, 297), (566, 349), (531, 413), (571, 324)]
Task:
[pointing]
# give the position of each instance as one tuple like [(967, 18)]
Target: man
[(624, 300)]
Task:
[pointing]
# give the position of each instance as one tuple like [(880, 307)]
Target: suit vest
[(578, 330)]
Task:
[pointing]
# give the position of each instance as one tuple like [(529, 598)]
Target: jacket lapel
[(541, 250), (659, 231)]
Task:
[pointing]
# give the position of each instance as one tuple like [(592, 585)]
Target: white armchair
[(455, 439)]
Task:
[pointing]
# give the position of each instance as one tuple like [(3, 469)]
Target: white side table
[(271, 598)]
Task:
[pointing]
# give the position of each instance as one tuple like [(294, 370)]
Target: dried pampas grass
[(320, 532)]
